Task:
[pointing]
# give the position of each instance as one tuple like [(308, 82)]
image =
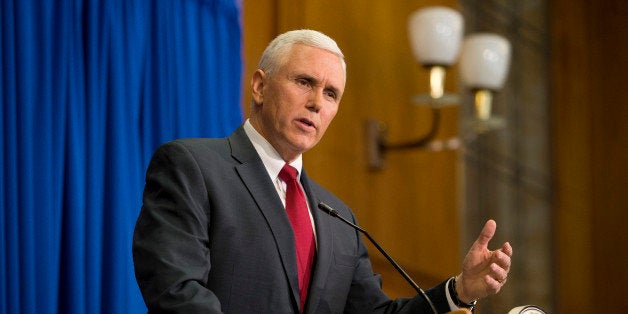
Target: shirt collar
[(269, 155)]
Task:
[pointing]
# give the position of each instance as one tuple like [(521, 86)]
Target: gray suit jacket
[(213, 236)]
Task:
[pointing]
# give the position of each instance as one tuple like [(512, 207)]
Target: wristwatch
[(457, 301)]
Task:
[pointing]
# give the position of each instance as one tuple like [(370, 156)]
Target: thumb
[(487, 234)]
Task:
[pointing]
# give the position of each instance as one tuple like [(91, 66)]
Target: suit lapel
[(254, 176), (324, 239)]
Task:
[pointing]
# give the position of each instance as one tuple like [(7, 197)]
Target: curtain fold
[(89, 90)]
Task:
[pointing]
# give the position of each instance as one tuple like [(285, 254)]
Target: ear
[(257, 87)]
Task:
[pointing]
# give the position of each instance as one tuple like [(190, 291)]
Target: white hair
[(272, 57)]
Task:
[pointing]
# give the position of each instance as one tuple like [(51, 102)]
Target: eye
[(303, 82), (330, 94)]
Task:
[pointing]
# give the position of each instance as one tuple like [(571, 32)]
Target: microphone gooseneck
[(334, 213)]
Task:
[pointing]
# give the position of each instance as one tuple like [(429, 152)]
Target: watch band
[(454, 296)]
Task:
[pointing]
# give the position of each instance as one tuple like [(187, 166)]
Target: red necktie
[(299, 217)]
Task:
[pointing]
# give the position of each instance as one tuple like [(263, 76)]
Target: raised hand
[(484, 272)]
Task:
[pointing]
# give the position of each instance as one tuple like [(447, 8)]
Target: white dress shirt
[(273, 164)]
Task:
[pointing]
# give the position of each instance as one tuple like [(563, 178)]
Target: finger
[(502, 259), (507, 249), (493, 285), (487, 234), (498, 273)]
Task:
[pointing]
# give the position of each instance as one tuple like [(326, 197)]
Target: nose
[(316, 100)]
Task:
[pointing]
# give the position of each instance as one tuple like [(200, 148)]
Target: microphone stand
[(334, 213)]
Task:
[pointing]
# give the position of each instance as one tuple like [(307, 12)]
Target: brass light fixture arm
[(377, 144)]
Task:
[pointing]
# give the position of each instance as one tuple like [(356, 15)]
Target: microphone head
[(326, 208)]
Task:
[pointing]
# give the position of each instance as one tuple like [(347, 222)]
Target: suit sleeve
[(418, 304), (170, 241)]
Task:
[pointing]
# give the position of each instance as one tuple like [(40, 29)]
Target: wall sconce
[(483, 68), (436, 39)]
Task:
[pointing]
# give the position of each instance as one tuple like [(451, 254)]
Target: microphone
[(334, 213)]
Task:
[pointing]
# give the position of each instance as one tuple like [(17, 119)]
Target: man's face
[(298, 102)]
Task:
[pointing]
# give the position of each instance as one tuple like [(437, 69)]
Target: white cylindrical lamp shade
[(484, 61), (435, 35)]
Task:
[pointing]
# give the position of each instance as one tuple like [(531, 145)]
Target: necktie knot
[(288, 173)]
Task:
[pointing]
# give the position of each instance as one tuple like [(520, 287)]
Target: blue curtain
[(89, 90)]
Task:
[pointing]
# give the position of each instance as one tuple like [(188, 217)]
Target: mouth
[(307, 122)]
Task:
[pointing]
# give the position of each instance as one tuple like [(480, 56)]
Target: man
[(218, 233)]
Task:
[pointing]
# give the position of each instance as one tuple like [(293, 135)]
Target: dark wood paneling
[(591, 149)]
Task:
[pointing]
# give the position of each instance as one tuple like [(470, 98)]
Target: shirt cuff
[(452, 304)]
